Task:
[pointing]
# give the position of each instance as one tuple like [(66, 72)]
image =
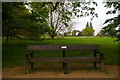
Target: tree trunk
[(11, 37), (52, 37), (7, 39)]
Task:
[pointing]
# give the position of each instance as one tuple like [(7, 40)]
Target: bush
[(88, 31)]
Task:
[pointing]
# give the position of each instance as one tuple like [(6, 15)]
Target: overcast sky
[(96, 22)]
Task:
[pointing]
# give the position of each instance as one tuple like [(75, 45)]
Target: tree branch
[(54, 7)]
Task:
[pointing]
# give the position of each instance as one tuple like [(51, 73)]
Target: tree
[(113, 23), (11, 18), (67, 33), (87, 25), (74, 32), (43, 18), (80, 33), (59, 17), (60, 14), (56, 17), (102, 33), (38, 20), (91, 26), (88, 31), (17, 19)]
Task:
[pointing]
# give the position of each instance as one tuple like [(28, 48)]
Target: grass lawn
[(13, 52)]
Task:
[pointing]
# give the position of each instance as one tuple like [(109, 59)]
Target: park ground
[(13, 54), (49, 71)]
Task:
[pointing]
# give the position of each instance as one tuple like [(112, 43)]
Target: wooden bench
[(95, 48)]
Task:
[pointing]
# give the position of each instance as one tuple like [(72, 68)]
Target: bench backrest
[(62, 47)]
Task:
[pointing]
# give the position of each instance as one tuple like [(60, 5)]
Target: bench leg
[(101, 62), (94, 65), (65, 67), (101, 66), (95, 54), (27, 67), (63, 56), (31, 65), (27, 64)]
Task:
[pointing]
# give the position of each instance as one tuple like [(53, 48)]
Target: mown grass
[(13, 52)]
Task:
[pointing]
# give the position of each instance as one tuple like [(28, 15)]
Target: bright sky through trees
[(80, 23), (96, 22)]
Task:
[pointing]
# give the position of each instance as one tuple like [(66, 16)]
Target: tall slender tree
[(91, 26), (87, 25)]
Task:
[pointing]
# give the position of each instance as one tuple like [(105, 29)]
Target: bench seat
[(62, 59)]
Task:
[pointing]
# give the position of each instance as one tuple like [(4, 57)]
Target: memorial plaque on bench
[(62, 47)]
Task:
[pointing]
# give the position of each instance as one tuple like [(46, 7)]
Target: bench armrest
[(99, 52), (101, 55), (28, 53)]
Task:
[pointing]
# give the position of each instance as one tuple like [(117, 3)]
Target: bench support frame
[(30, 65), (95, 55)]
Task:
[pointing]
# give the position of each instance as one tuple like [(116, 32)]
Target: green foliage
[(85, 9), (38, 25), (43, 18), (61, 13), (59, 17), (12, 21), (87, 25), (74, 33), (113, 23), (17, 19), (102, 33), (91, 26), (52, 33), (88, 31), (80, 33), (111, 28), (65, 34)]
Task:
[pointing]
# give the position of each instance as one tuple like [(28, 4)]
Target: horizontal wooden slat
[(49, 59), (61, 59), (72, 59), (62, 47)]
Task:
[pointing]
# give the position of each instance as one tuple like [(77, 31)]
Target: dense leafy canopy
[(41, 18), (12, 21), (74, 33), (37, 18), (17, 19)]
